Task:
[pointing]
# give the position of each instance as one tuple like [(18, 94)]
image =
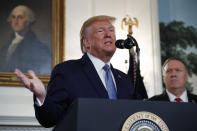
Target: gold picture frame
[(58, 46)]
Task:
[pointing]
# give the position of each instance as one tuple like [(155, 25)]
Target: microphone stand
[(134, 42), (139, 88)]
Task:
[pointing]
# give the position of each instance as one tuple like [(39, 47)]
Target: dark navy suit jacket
[(77, 79), (164, 97)]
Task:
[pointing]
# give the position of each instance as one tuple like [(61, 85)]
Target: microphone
[(128, 43)]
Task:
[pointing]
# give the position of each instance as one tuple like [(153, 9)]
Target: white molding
[(19, 121), (156, 47)]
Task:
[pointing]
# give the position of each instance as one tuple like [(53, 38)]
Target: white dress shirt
[(183, 96), (99, 64)]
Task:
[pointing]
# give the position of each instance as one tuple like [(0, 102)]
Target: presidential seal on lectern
[(144, 121)]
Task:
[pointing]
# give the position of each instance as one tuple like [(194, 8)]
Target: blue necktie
[(109, 83)]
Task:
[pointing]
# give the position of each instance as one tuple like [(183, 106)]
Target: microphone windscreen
[(120, 44)]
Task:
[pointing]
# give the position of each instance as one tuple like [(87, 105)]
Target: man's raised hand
[(34, 84)]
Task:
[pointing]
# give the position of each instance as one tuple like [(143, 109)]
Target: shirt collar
[(183, 96), (98, 64)]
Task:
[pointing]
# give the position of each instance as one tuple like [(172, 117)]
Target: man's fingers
[(19, 74), (31, 87), (32, 74), (22, 77)]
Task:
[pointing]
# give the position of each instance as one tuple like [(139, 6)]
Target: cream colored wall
[(16, 106), (17, 101), (14, 100)]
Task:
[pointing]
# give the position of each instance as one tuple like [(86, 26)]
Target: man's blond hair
[(88, 23)]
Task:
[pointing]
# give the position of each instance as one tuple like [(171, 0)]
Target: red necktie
[(178, 99)]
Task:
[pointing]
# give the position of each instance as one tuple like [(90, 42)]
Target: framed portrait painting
[(32, 38)]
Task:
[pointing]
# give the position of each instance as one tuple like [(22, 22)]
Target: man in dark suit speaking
[(175, 77), (92, 76)]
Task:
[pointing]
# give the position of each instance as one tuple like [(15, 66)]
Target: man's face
[(100, 40), (175, 75), (19, 21)]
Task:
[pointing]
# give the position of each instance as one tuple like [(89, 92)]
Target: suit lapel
[(191, 97), (165, 96), (118, 80), (93, 77)]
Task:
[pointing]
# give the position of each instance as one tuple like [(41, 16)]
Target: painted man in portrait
[(24, 50)]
